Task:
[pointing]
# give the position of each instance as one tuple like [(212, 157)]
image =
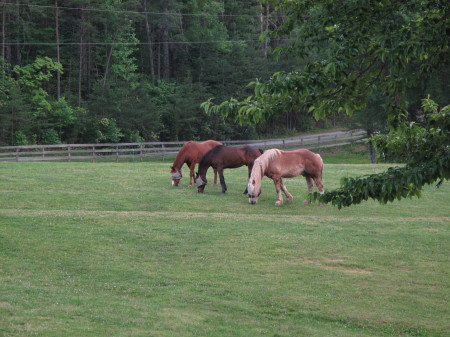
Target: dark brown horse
[(191, 153), (223, 157), (277, 164)]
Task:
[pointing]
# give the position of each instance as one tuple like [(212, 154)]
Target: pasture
[(112, 249)]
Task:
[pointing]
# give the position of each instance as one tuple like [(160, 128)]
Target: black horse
[(222, 157)]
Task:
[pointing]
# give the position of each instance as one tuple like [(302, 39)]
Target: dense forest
[(131, 70), (84, 71)]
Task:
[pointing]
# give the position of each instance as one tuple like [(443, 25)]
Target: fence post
[(117, 153), (93, 154), (284, 145), (17, 154), (140, 151), (43, 153), (163, 150), (318, 142), (69, 153)]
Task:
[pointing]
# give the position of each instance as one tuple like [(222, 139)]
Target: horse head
[(176, 176), (200, 183), (254, 191)]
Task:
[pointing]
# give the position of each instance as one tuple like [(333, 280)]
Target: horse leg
[(215, 176), (319, 185), (249, 174), (309, 182), (286, 192), (192, 173), (222, 181), (277, 183)]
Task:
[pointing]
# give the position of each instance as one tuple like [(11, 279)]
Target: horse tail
[(321, 166)]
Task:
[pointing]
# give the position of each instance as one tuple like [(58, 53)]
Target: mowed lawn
[(112, 249)]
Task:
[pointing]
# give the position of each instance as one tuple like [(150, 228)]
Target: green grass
[(112, 249)]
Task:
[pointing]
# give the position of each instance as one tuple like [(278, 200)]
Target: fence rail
[(68, 152)]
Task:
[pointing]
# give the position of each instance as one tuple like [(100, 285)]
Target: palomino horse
[(223, 157), (191, 153), (277, 164)]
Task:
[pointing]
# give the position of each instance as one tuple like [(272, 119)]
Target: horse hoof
[(222, 194), (278, 203)]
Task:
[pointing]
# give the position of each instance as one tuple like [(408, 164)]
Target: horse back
[(312, 162), (294, 163), (195, 151)]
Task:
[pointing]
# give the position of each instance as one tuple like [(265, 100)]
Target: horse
[(191, 153), (277, 164), (222, 157)]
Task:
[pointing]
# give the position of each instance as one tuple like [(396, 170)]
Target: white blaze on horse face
[(252, 193)]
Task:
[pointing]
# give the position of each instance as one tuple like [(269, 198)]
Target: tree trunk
[(149, 40), (165, 39), (89, 69), (3, 29), (108, 61), (266, 41), (58, 75), (80, 61), (263, 25), (372, 157)]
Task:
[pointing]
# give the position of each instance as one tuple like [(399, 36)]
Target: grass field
[(112, 249)]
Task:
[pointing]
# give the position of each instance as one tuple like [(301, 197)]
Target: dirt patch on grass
[(5, 305), (97, 213), (335, 264)]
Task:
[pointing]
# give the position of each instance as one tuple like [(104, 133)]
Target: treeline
[(85, 71), (78, 71)]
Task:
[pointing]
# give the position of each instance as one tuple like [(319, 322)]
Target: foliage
[(115, 53), (379, 46), (426, 151), (108, 132), (20, 139), (32, 78)]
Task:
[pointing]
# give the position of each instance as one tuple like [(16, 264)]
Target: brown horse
[(191, 153), (223, 157), (277, 164)]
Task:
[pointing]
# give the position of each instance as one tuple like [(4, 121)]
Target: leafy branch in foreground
[(379, 47), (426, 151)]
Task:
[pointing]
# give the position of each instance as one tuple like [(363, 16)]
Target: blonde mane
[(260, 165)]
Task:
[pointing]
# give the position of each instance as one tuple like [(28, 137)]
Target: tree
[(354, 49), (424, 148)]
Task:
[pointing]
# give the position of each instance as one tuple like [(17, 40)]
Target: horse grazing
[(223, 157), (191, 153), (277, 164)]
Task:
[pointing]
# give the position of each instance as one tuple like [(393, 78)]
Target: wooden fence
[(68, 152)]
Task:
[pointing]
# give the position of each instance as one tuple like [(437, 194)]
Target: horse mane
[(181, 155), (205, 161), (261, 163)]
